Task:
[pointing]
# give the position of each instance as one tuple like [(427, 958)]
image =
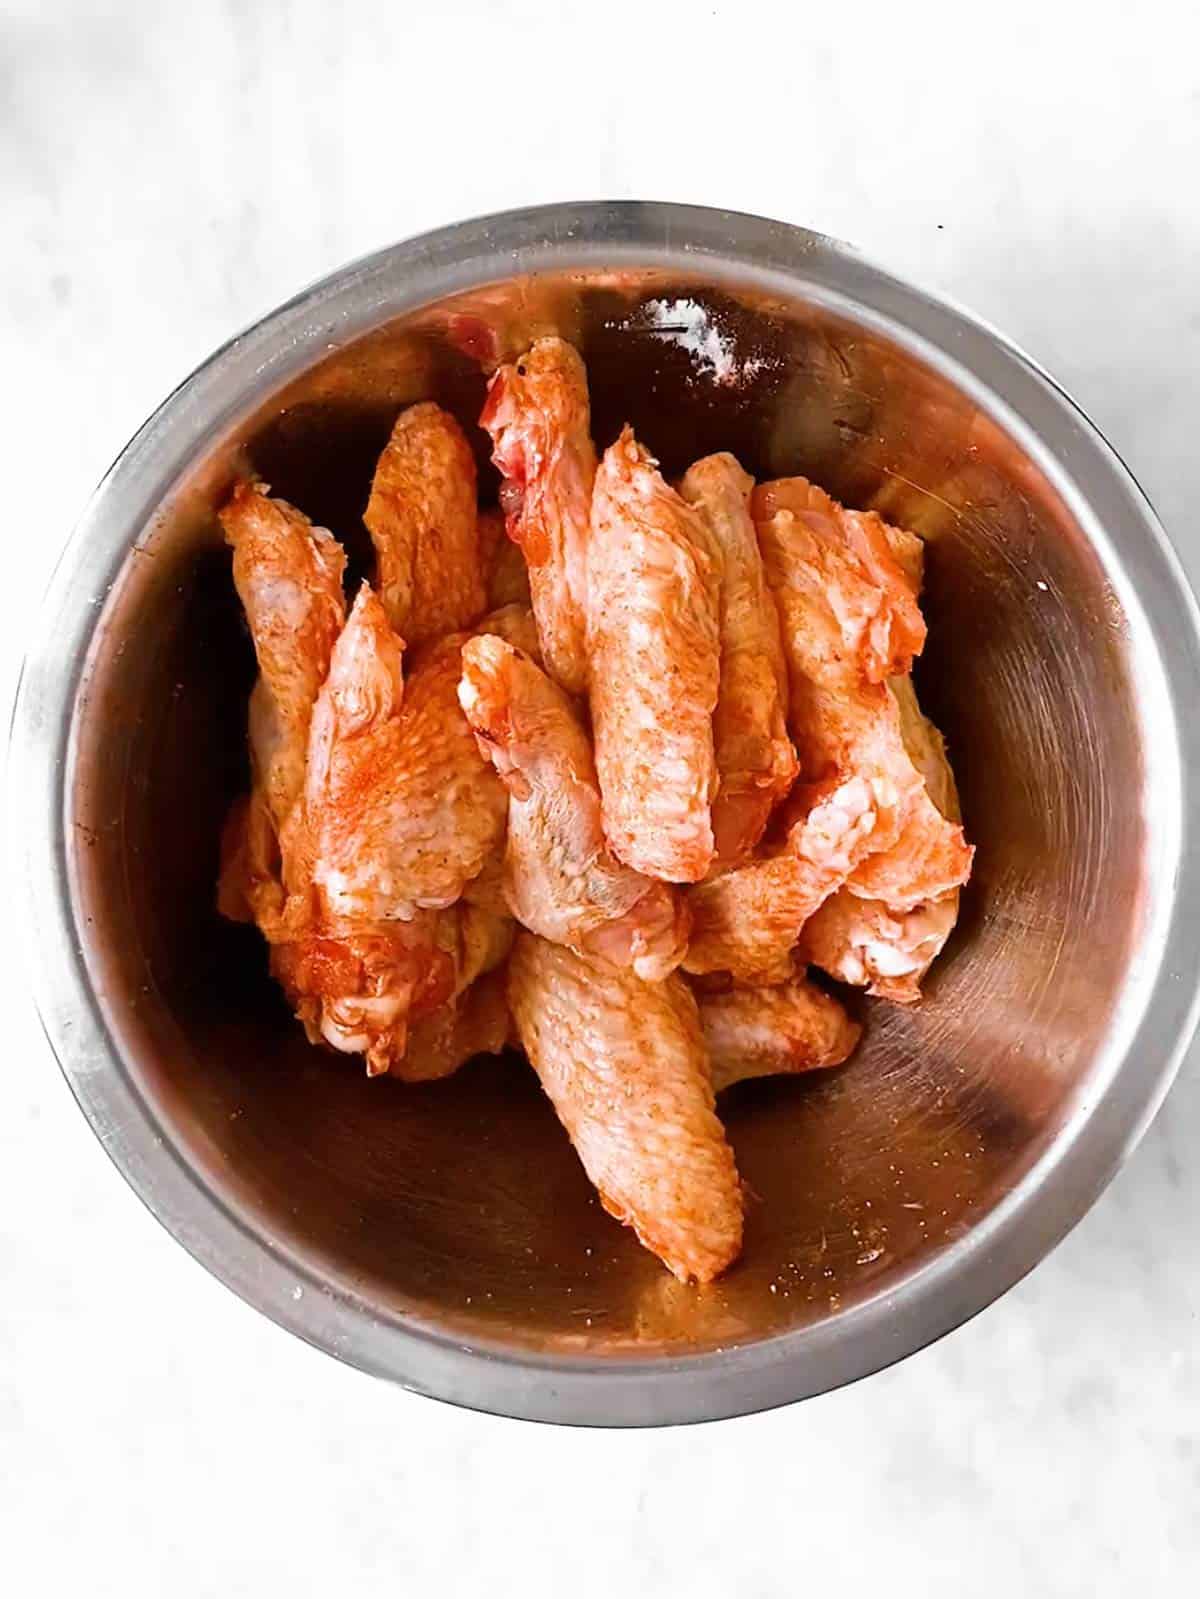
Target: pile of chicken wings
[(603, 787)]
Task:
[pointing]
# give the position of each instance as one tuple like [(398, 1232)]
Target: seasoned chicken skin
[(561, 880), (288, 575), (931, 858), (653, 596), (913, 852), (886, 626), (886, 944), (538, 417), (402, 808), (624, 1065), (357, 984), (356, 988), (404, 994), (755, 759), (768, 1032), (868, 944), (395, 815), (851, 725), (849, 624), (863, 816), (841, 632), (422, 520), (352, 984), (746, 920)]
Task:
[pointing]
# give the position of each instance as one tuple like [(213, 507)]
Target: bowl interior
[(461, 1205)]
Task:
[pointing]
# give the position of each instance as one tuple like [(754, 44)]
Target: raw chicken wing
[(842, 633), (351, 984), (755, 759), (624, 1065), (653, 595), (422, 520), (930, 859), (767, 1032), (561, 880), (746, 920), (867, 943), (288, 576), (886, 944), (402, 808), (355, 989), (863, 816), (888, 554), (840, 630), (538, 419)]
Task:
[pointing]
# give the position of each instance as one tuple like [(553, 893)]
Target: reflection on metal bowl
[(445, 1235)]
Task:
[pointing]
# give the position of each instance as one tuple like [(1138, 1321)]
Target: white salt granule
[(689, 325), (692, 328)]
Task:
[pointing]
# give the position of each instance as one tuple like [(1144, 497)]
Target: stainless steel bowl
[(445, 1236)]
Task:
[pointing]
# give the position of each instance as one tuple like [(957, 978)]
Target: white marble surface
[(170, 172)]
